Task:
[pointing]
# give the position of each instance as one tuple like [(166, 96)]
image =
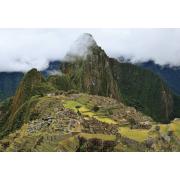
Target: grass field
[(104, 137), (85, 111), (174, 125), (136, 134)]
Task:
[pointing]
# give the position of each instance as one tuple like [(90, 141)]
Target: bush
[(96, 108), (157, 128), (78, 106)]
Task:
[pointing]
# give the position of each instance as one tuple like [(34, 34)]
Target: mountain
[(80, 122), (92, 71), (95, 103), (9, 81), (171, 75), (32, 84)]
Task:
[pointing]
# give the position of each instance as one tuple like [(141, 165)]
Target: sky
[(24, 49)]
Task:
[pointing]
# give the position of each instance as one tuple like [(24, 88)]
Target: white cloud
[(23, 49)]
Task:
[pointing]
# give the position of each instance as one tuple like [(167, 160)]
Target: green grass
[(85, 111), (175, 126), (103, 137), (136, 134), (69, 145), (164, 128)]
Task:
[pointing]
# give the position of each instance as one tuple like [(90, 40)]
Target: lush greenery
[(171, 75), (142, 89)]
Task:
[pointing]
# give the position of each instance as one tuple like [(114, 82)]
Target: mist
[(23, 49)]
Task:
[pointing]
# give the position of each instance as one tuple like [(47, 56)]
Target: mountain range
[(91, 102), (13, 78), (170, 74)]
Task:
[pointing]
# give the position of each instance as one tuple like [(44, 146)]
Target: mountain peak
[(81, 47)]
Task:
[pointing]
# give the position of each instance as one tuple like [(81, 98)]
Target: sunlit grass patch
[(135, 134), (106, 120), (175, 126), (85, 111), (164, 128), (104, 137), (83, 99)]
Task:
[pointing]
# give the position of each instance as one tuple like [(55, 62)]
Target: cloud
[(23, 49)]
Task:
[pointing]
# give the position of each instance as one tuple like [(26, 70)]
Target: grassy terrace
[(136, 134), (87, 112), (164, 128), (103, 137), (174, 125)]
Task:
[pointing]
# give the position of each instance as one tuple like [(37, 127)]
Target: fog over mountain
[(23, 49)]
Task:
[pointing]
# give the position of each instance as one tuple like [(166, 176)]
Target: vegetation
[(139, 135), (128, 83), (98, 136), (144, 90), (33, 132), (87, 112)]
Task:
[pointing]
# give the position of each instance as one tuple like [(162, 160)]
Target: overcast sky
[(23, 49)]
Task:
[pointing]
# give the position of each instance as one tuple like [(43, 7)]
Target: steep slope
[(92, 75), (32, 84), (94, 72), (89, 69), (171, 75), (9, 81), (144, 90)]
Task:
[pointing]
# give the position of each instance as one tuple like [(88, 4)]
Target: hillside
[(42, 118), (33, 83), (144, 90), (171, 75), (81, 122), (13, 78)]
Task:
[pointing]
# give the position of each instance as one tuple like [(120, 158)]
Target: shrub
[(96, 108)]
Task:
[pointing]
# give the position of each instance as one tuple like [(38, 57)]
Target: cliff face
[(92, 74)]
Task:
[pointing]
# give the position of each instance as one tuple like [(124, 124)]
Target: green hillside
[(98, 74)]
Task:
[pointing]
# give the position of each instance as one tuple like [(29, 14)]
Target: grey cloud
[(23, 49)]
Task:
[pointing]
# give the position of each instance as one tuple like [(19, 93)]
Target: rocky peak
[(82, 47), (88, 68), (24, 92)]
